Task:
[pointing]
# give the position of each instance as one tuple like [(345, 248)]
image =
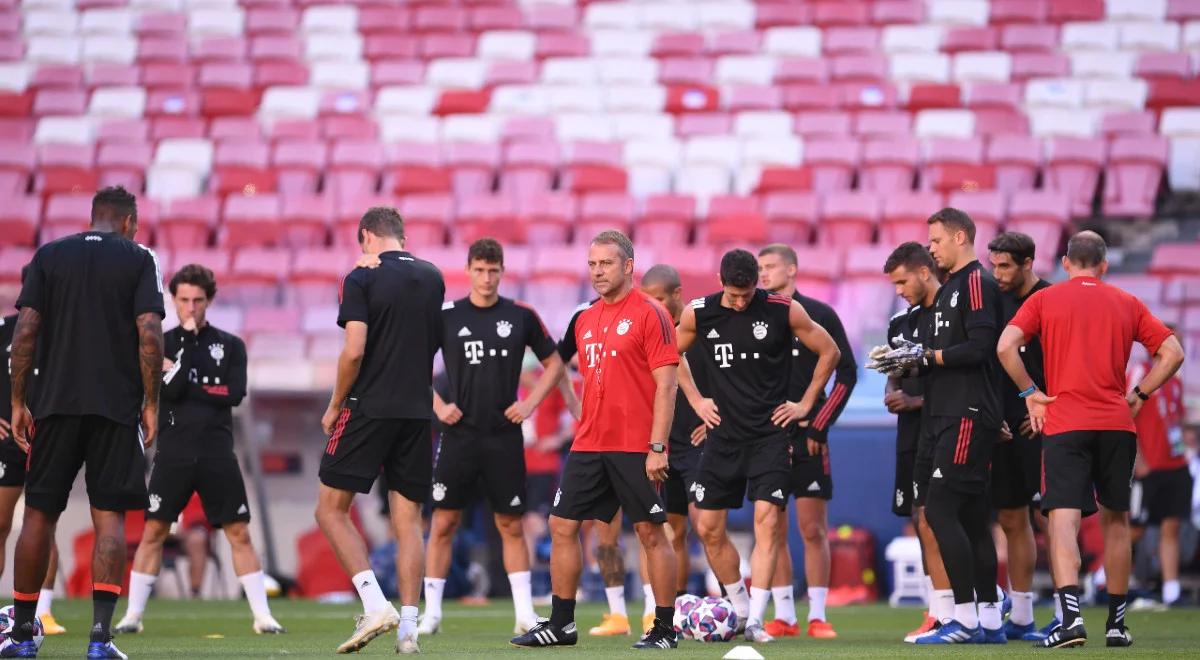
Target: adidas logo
[(814, 487), (242, 509), (516, 501), (587, 335), (937, 474), (712, 334), (778, 494), (465, 332), (655, 509)]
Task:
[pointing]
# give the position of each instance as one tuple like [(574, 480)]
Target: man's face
[(944, 245), (672, 300), (1009, 275), (737, 298), (775, 274), (910, 284), (607, 270), (485, 277), (190, 303)]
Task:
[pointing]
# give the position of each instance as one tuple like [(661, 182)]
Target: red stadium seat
[(986, 208), (791, 217), (1073, 166), (250, 221), (665, 220), (414, 167), (1017, 11), (426, 218), (594, 167), (692, 98), (732, 219), (779, 13), (833, 163), (186, 223), (848, 218), (306, 219), (905, 218), (601, 211), (18, 220), (1016, 159), (65, 168), (830, 12), (548, 218), (487, 215), (779, 179), (1062, 11)]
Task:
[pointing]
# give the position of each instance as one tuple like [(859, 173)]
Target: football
[(684, 605), (7, 619), (713, 620)]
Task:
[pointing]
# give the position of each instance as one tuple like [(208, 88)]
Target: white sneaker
[(268, 626), (522, 627), (429, 625), (128, 625), (408, 645), (756, 634), (369, 626)]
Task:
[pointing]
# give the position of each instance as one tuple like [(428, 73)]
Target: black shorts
[(468, 464), (810, 474), (12, 464), (923, 462), (112, 452), (218, 481), (595, 484), (681, 477), (1162, 494), (731, 471), (902, 501), (540, 491), (1082, 468), (962, 455), (1016, 471), (361, 447)]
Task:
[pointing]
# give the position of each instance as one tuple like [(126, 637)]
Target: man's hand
[(368, 261), (816, 448), (898, 402), (789, 412), (22, 427), (189, 324), (449, 413), (149, 425), (1026, 428), (1135, 404), (707, 412), (518, 412), (1005, 432), (168, 365), (1036, 404), (330, 418), (699, 435), (656, 467), (5, 429)]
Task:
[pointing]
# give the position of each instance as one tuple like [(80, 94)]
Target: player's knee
[(650, 535), (814, 531), (238, 535), (562, 529), (709, 532), (443, 527), (510, 526)]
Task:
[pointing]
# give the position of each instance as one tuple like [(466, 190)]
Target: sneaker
[(821, 630), (953, 633), (1027, 632), (1148, 605), (548, 634), (268, 626), (1047, 629), (657, 638), (647, 622), (407, 645), (756, 634), (431, 625), (611, 625), (105, 651), (781, 628), (996, 636), (927, 626), (50, 626), (369, 626), (128, 626), (1120, 637), (14, 649), (1005, 605), (519, 628), (1062, 638)]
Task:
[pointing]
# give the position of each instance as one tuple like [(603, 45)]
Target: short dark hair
[(617, 238), (955, 220), (782, 251), (664, 275), (383, 221), (196, 275), (912, 255), (1019, 246), (114, 201), (1087, 249), (739, 269), (486, 249)]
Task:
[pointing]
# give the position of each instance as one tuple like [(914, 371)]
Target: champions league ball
[(684, 605), (8, 618), (713, 621)]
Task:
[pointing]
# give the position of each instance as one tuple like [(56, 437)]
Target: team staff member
[(484, 340), (1087, 329), (964, 422), (812, 484), (92, 309), (619, 455), (204, 378), (378, 419), (1017, 464)]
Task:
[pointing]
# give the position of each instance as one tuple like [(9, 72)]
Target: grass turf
[(222, 630)]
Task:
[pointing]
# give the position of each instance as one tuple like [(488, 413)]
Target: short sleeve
[(983, 301), (352, 300), (1029, 317), (149, 295), (1149, 330), (537, 337), (566, 346), (658, 337), (33, 287), (896, 328)]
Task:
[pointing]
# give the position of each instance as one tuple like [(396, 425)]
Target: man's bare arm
[(24, 345), (818, 340), (1167, 361), (150, 356)]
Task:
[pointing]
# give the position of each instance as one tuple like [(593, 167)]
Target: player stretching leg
[(378, 420), (747, 333), (812, 484), (204, 377)]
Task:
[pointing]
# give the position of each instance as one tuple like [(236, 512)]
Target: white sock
[(1170, 592), (408, 622), (999, 594), (785, 604), (45, 600), (942, 608), (522, 594), (140, 586), (1058, 608), (369, 592), (816, 603), (966, 614), (648, 596), (758, 605), (1022, 611), (433, 596), (989, 616), (739, 598), (256, 594), (616, 600), (929, 593)]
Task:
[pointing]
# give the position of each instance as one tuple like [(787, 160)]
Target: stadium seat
[(732, 219), (255, 277), (904, 217), (986, 208), (848, 218), (250, 221), (187, 223), (889, 164), (487, 215), (1134, 174), (665, 220), (1073, 167), (548, 218), (18, 221), (1175, 259), (791, 217)]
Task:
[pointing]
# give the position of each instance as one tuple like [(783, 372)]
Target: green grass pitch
[(177, 629)]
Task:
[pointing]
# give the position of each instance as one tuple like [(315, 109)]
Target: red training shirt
[(619, 346), (1159, 419), (1087, 329)]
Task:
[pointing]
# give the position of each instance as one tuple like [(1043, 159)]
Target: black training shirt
[(967, 323), (1031, 355), (907, 325), (400, 301), (89, 289), (804, 362), (206, 381), (566, 345)]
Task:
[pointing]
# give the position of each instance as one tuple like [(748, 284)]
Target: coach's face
[(774, 273), (1009, 276), (944, 245), (191, 303), (910, 285), (607, 269)]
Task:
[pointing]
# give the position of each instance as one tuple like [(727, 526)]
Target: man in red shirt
[(1087, 329), (627, 361), (1163, 489)]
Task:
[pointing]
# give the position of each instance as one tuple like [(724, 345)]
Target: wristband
[(1029, 392), (1137, 389)]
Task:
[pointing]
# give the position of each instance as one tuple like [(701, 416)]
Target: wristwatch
[(1137, 389), (658, 447)]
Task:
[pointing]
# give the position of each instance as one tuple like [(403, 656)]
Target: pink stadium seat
[(386, 72), (437, 45), (686, 71), (817, 269), (298, 164), (219, 49), (186, 223), (888, 12), (836, 12), (255, 276), (697, 267), (775, 14), (306, 219), (354, 167), (1134, 123), (177, 127), (816, 97), (1148, 288), (241, 167), (1073, 166), (16, 128), (1134, 174), (553, 17), (18, 220), (833, 162), (315, 274), (665, 220), (122, 130), (112, 75), (414, 167), (1017, 11), (529, 168), (1039, 65), (426, 217), (601, 211), (246, 129), (562, 44), (732, 219), (272, 20), (882, 124), (1062, 11), (859, 68), (843, 40), (1016, 159), (693, 124), (905, 216), (848, 218), (348, 210), (548, 218), (17, 161), (1181, 10), (986, 208), (391, 46), (482, 19), (889, 164), (791, 217), (348, 127), (753, 97), (162, 49), (801, 70), (472, 166), (65, 214), (1007, 96), (439, 19), (960, 39), (527, 129), (1049, 207), (167, 77), (1176, 259), (55, 101), (165, 24), (276, 48), (172, 103), (1029, 37), (487, 215), (12, 260), (294, 129), (264, 319), (734, 42), (220, 261), (555, 274), (822, 124), (594, 167), (956, 164), (508, 72), (65, 168), (678, 44), (1162, 66), (250, 221), (383, 18), (57, 76)]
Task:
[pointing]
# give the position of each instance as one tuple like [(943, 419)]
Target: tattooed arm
[(150, 358), (24, 344)]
